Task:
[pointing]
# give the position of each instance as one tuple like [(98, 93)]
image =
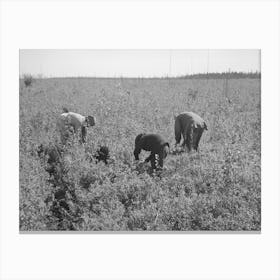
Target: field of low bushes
[(217, 189)]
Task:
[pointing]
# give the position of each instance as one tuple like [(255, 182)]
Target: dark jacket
[(149, 142)]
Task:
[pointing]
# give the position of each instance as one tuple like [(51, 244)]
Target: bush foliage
[(218, 188), (28, 80)]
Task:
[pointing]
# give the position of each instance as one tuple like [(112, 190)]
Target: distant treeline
[(223, 75)]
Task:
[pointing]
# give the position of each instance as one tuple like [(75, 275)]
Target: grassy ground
[(218, 188)]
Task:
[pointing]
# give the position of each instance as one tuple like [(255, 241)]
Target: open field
[(218, 188)]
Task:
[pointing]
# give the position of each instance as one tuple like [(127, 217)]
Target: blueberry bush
[(217, 189)]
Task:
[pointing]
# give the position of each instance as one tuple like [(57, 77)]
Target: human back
[(70, 123), (186, 118), (74, 119), (152, 142)]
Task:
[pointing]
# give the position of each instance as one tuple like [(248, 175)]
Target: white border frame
[(156, 24)]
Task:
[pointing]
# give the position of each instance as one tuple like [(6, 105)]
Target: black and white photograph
[(140, 140)]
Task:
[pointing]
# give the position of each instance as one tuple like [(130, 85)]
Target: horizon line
[(41, 76)]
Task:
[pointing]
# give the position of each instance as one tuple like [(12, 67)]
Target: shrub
[(218, 188), (28, 80)]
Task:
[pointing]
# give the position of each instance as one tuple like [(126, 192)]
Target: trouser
[(157, 159), (192, 137), (68, 132)]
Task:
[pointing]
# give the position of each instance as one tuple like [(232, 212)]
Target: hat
[(91, 120)]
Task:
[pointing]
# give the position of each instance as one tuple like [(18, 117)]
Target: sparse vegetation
[(28, 80), (218, 188)]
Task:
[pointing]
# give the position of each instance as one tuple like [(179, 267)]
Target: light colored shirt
[(68, 121), (71, 119), (187, 118)]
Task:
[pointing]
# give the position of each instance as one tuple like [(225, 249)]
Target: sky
[(135, 63)]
